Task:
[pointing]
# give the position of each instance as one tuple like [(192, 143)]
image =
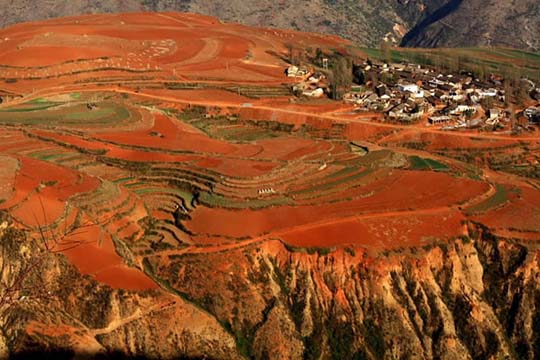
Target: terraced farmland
[(176, 197)]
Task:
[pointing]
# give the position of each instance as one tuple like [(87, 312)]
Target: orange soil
[(521, 213), (173, 138), (49, 55), (93, 253), (43, 207), (199, 47), (381, 232), (30, 203), (424, 190), (386, 209)]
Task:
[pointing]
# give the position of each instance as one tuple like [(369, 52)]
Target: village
[(408, 93)]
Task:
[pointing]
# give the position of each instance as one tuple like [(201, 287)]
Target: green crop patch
[(107, 113), (95, 114), (214, 200), (418, 163), (498, 199), (29, 107)]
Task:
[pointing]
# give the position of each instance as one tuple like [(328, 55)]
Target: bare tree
[(23, 256)]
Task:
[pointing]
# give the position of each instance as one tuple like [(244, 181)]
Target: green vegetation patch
[(28, 107), (39, 101), (344, 176), (51, 156), (498, 199), (106, 113), (123, 180), (230, 129), (418, 163), (159, 190), (214, 200), (96, 114)]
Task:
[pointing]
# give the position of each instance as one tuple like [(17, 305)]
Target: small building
[(487, 93), (412, 88), (381, 89), (438, 120), (315, 78), (493, 114), (317, 93), (292, 71), (462, 109), (533, 114)]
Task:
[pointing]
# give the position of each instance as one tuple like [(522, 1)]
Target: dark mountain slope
[(480, 23)]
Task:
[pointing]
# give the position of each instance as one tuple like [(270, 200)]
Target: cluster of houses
[(310, 83), (409, 93)]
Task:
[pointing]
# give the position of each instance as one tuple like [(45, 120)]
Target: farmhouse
[(318, 92), (533, 114), (437, 120), (462, 109), (292, 71), (412, 88), (493, 114)]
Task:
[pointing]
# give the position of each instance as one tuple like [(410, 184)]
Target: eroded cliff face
[(475, 297), (46, 305)]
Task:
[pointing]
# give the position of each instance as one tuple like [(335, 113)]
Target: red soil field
[(93, 253), (386, 208), (172, 137), (521, 213), (70, 139), (56, 185), (404, 188), (285, 148), (383, 232), (199, 47), (49, 55), (361, 132)]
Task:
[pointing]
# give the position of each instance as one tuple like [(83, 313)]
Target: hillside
[(424, 23), (480, 23), (165, 193)]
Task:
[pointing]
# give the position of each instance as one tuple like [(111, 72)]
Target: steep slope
[(46, 305), (365, 22), (473, 298), (424, 23), (468, 299), (480, 23)]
